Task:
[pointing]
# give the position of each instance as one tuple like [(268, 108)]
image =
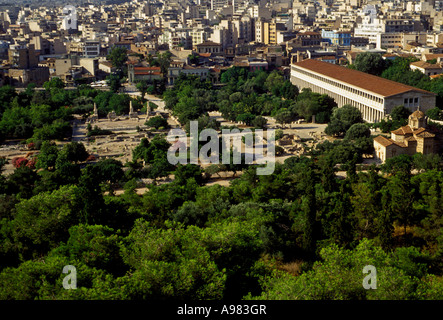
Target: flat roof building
[(374, 96)]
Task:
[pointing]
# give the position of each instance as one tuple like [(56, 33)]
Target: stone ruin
[(132, 114), (94, 116), (288, 139), (112, 115), (291, 143)]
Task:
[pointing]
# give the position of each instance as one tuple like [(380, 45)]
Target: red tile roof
[(402, 131), (425, 65), (385, 142), (147, 70), (354, 78)]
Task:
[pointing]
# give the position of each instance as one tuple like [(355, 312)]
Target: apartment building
[(91, 48), (336, 37), (266, 32), (375, 97), (371, 27), (22, 56), (396, 40), (429, 69)]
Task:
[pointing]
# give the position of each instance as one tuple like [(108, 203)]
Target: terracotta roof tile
[(400, 144), (430, 56), (356, 78), (425, 134), (425, 65), (383, 141), (147, 70), (403, 131), (419, 130)]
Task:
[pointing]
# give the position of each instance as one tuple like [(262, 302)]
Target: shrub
[(19, 162)]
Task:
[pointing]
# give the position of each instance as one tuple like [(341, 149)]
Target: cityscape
[(119, 181)]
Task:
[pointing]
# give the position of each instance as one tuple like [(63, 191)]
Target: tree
[(7, 94), (120, 103), (288, 90), (164, 59), (246, 117), (402, 197), (148, 150), (114, 82), (426, 161), (160, 166), (358, 130), (233, 74), (343, 268), (283, 117), (197, 276), (42, 221), (309, 104), (342, 119), (75, 152), (189, 171), (369, 62), (108, 170), (400, 113), (47, 155), (102, 102), (435, 113), (55, 82), (58, 129), (259, 122), (194, 58), (398, 164), (97, 246), (274, 82), (157, 122), (118, 56), (142, 86)]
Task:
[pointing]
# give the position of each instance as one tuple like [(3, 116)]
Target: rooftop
[(384, 141), (425, 65), (377, 85)]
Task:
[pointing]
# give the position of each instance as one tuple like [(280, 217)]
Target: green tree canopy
[(369, 62), (342, 119)]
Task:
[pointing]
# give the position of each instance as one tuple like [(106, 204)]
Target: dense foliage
[(246, 96), (186, 240), (301, 233)]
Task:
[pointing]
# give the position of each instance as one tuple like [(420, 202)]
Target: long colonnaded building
[(374, 96)]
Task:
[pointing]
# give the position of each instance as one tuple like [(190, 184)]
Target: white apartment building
[(199, 35), (226, 33), (218, 4), (258, 11), (396, 40), (176, 38), (243, 27), (374, 96), (91, 48), (371, 27)]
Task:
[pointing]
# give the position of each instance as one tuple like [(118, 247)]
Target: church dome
[(417, 114), (417, 120)]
